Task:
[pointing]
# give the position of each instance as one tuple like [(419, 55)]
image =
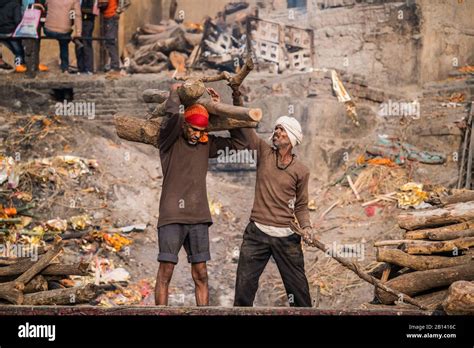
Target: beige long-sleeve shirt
[(60, 15), (279, 193)]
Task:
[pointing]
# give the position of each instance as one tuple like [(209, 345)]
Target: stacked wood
[(173, 45), (437, 254), (26, 280), (155, 47)]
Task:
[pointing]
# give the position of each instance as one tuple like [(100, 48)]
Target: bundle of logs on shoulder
[(434, 262), (38, 280), (193, 90)]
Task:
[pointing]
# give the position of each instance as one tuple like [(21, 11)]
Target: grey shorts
[(194, 238)]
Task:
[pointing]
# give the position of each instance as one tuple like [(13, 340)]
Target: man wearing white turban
[(281, 195)]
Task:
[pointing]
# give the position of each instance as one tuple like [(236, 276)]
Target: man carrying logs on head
[(184, 216)]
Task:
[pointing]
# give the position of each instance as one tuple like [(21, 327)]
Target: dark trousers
[(111, 27), (85, 54), (255, 252), (17, 49), (63, 40)]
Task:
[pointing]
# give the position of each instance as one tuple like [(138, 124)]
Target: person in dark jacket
[(10, 17), (84, 50)]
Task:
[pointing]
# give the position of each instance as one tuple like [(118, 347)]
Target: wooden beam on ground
[(205, 311), (424, 233), (420, 263), (454, 213), (431, 247), (417, 282)]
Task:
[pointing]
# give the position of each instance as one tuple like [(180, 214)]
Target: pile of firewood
[(169, 45), (434, 262), (40, 280), (176, 45)]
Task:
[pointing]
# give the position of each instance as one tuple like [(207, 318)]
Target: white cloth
[(292, 128), (274, 231)]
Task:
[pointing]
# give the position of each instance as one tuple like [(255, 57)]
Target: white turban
[(292, 128)]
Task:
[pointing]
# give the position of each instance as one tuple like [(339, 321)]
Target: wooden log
[(392, 242), (147, 131), (147, 69), (177, 43), (379, 269), (460, 299), (149, 39), (155, 96), (7, 261), (453, 213), (137, 129), (232, 111), (149, 58), (53, 269), (458, 197), (427, 248), (190, 91), (12, 291), (423, 234), (420, 281), (420, 263), (450, 235), (38, 283), (69, 296), (220, 124), (433, 300), (56, 269)]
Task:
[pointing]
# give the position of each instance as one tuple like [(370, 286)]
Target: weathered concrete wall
[(380, 42), (447, 28), (195, 11)]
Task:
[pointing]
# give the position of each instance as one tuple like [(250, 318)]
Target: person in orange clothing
[(111, 27)]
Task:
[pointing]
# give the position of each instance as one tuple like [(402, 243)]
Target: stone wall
[(447, 28), (380, 42)]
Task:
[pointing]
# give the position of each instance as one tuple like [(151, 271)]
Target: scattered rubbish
[(399, 152), (215, 207), (9, 172), (133, 228), (115, 275), (412, 196), (58, 225), (80, 222)]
